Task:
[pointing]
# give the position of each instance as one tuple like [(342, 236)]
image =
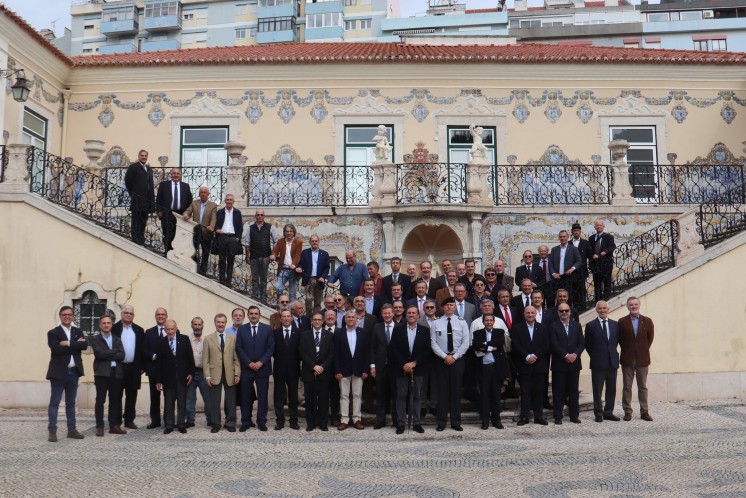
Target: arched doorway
[(433, 243)]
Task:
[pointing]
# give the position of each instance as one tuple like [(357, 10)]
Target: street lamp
[(20, 88)]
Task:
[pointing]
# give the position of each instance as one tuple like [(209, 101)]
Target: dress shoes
[(457, 427), (294, 426), (130, 425), (52, 437), (359, 425), (168, 430), (324, 428), (378, 425), (418, 429), (189, 424), (485, 426), (336, 422), (116, 430), (400, 429), (153, 425), (215, 428), (627, 417), (279, 427), (522, 421), (262, 427), (100, 431), (74, 434), (498, 425), (309, 428), (599, 418), (541, 421), (243, 428), (575, 420), (230, 428), (646, 416), (440, 428), (557, 421), (182, 430), (612, 417), (250, 424), (342, 426)]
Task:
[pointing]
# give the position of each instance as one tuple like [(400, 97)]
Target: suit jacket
[(572, 259), (368, 323), (442, 295), (377, 303), (281, 248), (304, 322), (150, 347), (237, 221), (515, 316), (519, 303), (103, 356), (583, 247), (139, 185), (464, 279), (480, 344), (404, 281), (523, 346), (539, 272), (348, 362), (209, 218), (214, 361), (140, 361), (603, 263), (603, 351), (164, 197), (552, 315), (433, 287), (470, 312), (477, 302), (172, 370), (635, 350), (251, 350), (379, 348), (286, 360), (534, 274), (401, 354), (306, 264), (60, 359), (309, 357), (563, 344)]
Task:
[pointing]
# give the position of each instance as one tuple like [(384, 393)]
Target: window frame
[(639, 171)]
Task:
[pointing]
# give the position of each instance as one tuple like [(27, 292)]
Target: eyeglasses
[(284, 302), (528, 256), (490, 274), (564, 311), (429, 307), (258, 214)]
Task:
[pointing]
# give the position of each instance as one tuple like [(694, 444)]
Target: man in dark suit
[(410, 349), (372, 302), (552, 314), (299, 318), (445, 266), (529, 269), (601, 260), (65, 367), (566, 265), (507, 281), (174, 371), (396, 294), (601, 341), (432, 284), (138, 180), (351, 366), (315, 348), (523, 299), (385, 379), (255, 344), (635, 338), (488, 344), (108, 353), (582, 245), (395, 277), (286, 370), (420, 296), (505, 311), (567, 344), (228, 231), (471, 274), (530, 341), (314, 270), (133, 364), (545, 280), (174, 196), (150, 347)]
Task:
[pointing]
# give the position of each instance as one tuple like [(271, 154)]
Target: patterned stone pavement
[(691, 449)]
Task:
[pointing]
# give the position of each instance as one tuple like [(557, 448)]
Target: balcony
[(276, 8), (154, 46), (162, 15), (120, 48), (119, 20), (162, 23)]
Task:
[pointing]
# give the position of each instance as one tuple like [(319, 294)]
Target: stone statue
[(478, 150), (383, 149)]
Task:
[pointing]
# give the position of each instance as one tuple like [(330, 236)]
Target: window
[(706, 45), (700, 45), (252, 33), (35, 133), (161, 9), (350, 3), (366, 23), (275, 3), (89, 26), (359, 154), (719, 45), (655, 44), (241, 34), (460, 142), (658, 17), (203, 147), (642, 158), (632, 44), (241, 9), (351, 25), (120, 14), (87, 311), (188, 17), (691, 15), (87, 50), (276, 24), (327, 20)]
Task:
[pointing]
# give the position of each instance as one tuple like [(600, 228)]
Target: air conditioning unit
[(708, 14)]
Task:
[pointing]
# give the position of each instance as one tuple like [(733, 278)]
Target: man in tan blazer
[(635, 338), (204, 212), (287, 253), (222, 371), (447, 291)]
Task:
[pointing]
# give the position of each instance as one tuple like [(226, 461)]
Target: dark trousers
[(286, 387), (137, 227), (602, 283), (168, 225), (225, 268), (113, 387), (450, 380), (565, 384), (69, 387), (175, 397), (334, 410), (249, 394), (385, 396), (130, 385), (598, 379), (489, 388), (430, 383), (259, 267), (406, 386), (579, 291), (532, 394), (229, 406), (317, 402), (471, 377), (155, 403), (202, 242)]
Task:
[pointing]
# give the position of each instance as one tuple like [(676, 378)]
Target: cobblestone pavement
[(691, 449)]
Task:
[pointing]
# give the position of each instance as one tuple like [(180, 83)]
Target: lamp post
[(20, 88)]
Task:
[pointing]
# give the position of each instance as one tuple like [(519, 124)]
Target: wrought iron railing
[(722, 217), (308, 186), (3, 162), (684, 184), (548, 184), (212, 177), (431, 183)]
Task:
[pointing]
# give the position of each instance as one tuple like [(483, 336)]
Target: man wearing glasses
[(567, 344), (529, 269), (283, 304), (259, 240)]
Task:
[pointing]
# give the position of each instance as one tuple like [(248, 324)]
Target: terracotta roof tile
[(351, 53), (35, 34)]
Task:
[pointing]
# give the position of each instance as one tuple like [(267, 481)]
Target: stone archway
[(433, 243)]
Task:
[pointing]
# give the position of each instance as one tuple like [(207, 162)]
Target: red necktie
[(544, 268), (506, 314)]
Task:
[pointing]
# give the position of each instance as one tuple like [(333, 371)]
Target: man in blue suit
[(350, 369), (314, 270), (255, 344), (228, 231), (601, 341), (566, 265)]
